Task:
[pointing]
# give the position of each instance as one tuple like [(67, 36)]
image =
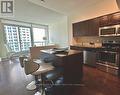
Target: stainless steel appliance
[(109, 31), (108, 59), (89, 58), (118, 31)]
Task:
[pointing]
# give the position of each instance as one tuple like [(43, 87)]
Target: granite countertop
[(96, 48), (62, 53)]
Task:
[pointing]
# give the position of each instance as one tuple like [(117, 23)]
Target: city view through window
[(20, 38)]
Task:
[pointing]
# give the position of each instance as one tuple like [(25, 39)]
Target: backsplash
[(95, 39)]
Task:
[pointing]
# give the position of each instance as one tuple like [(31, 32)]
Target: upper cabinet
[(111, 19), (79, 28), (91, 27), (114, 18), (76, 29), (104, 21), (86, 28)]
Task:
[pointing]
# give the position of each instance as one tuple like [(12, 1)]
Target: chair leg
[(42, 84), (37, 83)]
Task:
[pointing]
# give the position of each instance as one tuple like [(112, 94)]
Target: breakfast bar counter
[(70, 60)]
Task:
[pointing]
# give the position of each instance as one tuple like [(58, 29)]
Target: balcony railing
[(24, 46)]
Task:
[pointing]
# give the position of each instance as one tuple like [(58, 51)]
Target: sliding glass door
[(18, 38), (25, 38), (12, 37)]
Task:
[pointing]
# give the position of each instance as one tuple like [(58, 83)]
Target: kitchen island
[(71, 61)]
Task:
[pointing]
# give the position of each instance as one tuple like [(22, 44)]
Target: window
[(12, 37), (17, 38), (25, 38), (39, 36), (20, 38)]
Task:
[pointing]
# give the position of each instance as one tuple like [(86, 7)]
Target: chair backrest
[(35, 51), (21, 59), (30, 66)]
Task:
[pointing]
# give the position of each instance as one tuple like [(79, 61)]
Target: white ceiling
[(66, 7), (52, 11), (29, 12)]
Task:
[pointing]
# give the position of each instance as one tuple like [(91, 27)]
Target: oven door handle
[(109, 51)]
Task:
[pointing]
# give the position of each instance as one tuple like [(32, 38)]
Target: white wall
[(29, 12), (101, 8), (3, 50), (58, 32)]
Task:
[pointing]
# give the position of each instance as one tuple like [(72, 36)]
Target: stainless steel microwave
[(118, 31), (109, 30)]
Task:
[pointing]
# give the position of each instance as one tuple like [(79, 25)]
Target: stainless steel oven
[(108, 61), (108, 58)]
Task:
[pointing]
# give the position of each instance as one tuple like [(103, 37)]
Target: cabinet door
[(76, 29), (83, 28), (86, 28), (104, 21), (111, 19), (93, 27), (115, 18), (79, 29)]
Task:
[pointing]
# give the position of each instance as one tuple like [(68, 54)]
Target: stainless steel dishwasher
[(89, 58)]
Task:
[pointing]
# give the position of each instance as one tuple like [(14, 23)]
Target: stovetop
[(113, 46)]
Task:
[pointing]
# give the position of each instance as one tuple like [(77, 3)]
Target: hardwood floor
[(99, 83), (13, 81)]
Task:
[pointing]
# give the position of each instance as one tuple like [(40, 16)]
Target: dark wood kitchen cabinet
[(104, 21), (91, 27), (86, 28), (110, 19), (75, 30), (80, 28), (114, 18)]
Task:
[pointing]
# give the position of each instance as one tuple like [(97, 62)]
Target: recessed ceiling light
[(42, 0)]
